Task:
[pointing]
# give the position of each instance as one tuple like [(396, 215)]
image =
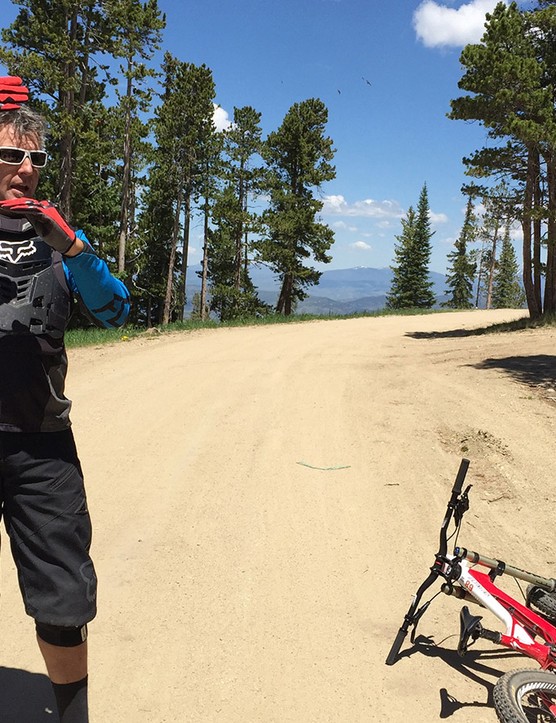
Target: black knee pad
[(62, 637)]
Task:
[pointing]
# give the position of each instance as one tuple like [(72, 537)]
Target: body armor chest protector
[(34, 294)]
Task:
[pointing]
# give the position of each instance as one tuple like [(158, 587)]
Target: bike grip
[(395, 649), (460, 478)]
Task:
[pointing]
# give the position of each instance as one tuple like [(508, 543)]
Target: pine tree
[(498, 207), (411, 287), (137, 34), (509, 79), (154, 240), (210, 157), (183, 129), (242, 143), (461, 268), (401, 294), (424, 296), (298, 155), (507, 292), (232, 293)]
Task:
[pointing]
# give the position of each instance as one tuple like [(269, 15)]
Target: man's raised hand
[(45, 218)]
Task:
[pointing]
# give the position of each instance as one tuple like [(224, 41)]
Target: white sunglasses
[(15, 156)]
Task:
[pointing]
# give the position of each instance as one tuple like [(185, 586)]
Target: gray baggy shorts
[(44, 506)]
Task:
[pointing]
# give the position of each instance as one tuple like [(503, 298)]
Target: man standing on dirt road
[(44, 266)]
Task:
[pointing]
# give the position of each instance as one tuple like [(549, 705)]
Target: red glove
[(12, 92), (45, 218)]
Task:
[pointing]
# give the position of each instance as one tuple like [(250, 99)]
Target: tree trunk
[(533, 301), (480, 277), (537, 230), (284, 305), (238, 260), (203, 309), (550, 280), (67, 94), (172, 260), (126, 180), (492, 266), (185, 252)]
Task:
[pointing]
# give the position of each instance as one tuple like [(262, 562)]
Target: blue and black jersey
[(37, 288)]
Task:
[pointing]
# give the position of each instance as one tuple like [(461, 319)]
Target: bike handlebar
[(412, 615), (460, 477), (454, 498), (395, 649)]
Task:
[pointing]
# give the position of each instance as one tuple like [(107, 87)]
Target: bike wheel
[(523, 696), (543, 601)]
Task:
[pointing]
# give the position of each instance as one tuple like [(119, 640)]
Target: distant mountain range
[(340, 291)]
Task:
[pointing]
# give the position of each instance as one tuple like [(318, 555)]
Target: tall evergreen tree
[(226, 299), (211, 144), (483, 260), (182, 128), (411, 287), (232, 293), (510, 78), (154, 238), (461, 270), (507, 292), (137, 34), (402, 292), (497, 211), (298, 155), (424, 296), (242, 144)]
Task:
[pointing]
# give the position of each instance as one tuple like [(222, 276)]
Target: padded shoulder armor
[(34, 295)]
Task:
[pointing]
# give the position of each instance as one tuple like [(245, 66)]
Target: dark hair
[(25, 122)]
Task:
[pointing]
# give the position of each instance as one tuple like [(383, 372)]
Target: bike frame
[(464, 579), (522, 624)]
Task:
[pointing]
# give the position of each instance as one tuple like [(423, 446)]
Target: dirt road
[(265, 501)]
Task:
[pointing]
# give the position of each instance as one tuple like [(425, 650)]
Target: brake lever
[(462, 505)]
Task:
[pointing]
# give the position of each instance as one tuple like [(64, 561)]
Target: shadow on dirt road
[(26, 697), (473, 666), (535, 370)]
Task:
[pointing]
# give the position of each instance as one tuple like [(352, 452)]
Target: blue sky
[(386, 71)]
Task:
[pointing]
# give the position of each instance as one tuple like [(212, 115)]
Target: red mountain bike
[(519, 696)]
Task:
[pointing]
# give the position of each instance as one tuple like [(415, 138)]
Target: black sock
[(71, 699)]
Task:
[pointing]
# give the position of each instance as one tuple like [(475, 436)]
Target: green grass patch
[(94, 336), (526, 322)]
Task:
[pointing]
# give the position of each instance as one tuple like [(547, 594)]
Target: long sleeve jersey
[(104, 296)]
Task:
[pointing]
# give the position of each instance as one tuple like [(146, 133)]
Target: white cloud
[(437, 25), (343, 226), (437, 218), (361, 246), (221, 118), (337, 205)]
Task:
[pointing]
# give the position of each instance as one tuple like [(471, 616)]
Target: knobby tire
[(543, 601), (522, 696)]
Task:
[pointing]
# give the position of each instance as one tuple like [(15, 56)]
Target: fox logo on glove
[(14, 251)]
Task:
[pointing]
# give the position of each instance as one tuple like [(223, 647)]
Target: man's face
[(22, 180)]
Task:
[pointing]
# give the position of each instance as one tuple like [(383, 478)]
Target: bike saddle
[(469, 627)]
